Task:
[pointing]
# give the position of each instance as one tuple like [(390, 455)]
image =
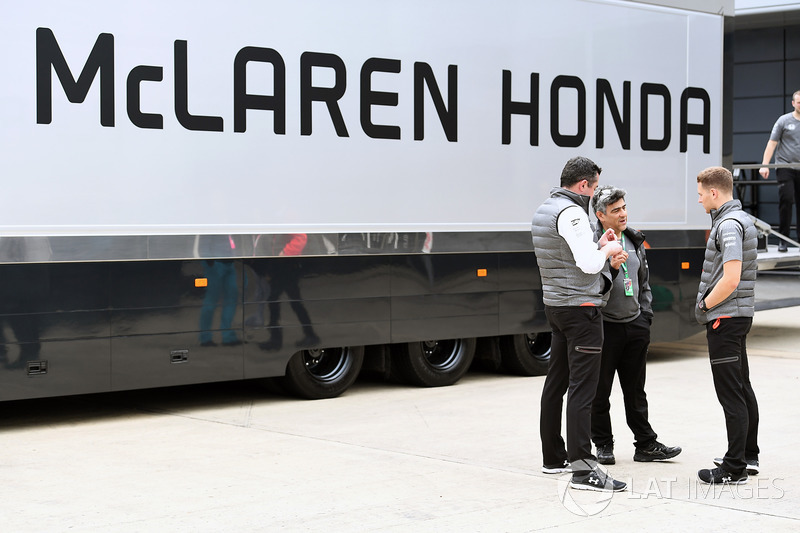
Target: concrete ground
[(233, 457)]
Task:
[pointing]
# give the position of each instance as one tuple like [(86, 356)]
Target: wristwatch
[(703, 306)]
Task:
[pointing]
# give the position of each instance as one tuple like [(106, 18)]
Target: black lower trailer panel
[(75, 328)]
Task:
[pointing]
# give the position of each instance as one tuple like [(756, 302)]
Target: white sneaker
[(557, 469)]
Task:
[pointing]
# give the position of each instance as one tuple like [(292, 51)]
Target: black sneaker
[(656, 452), (752, 465), (718, 476), (605, 454), (558, 468), (597, 481)]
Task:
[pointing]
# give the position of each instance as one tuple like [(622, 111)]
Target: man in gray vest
[(575, 283), (626, 336), (725, 304)]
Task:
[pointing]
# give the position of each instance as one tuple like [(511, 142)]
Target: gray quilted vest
[(741, 303), (563, 283)]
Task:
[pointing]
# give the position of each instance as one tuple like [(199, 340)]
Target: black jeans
[(574, 366), (624, 353), (727, 351), (788, 194)]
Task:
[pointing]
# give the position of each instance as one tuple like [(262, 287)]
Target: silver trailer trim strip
[(70, 249)]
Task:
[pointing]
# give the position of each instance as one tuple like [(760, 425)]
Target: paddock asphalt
[(386, 457)]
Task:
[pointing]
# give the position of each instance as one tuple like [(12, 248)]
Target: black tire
[(323, 372), (433, 363), (526, 354)]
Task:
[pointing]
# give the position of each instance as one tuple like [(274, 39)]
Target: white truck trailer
[(204, 191)]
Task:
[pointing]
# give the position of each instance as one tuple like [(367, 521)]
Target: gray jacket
[(741, 302), (645, 294), (563, 283)]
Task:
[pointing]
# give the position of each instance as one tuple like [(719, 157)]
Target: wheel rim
[(443, 355), (539, 345), (327, 364)]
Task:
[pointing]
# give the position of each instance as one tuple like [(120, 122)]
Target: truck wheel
[(323, 372), (526, 354), (434, 363)]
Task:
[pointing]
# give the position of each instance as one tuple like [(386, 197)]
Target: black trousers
[(788, 194), (624, 353), (727, 351), (574, 366)]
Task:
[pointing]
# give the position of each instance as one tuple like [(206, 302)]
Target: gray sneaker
[(597, 481)]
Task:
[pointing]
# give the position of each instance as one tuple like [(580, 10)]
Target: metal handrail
[(760, 224), (766, 228), (753, 166)]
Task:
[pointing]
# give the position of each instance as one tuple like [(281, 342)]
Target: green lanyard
[(627, 283), (625, 264)]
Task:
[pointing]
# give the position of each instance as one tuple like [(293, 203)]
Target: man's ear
[(600, 216)]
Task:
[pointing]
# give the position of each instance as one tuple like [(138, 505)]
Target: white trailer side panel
[(74, 176)]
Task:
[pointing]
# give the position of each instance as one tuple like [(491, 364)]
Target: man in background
[(784, 142)]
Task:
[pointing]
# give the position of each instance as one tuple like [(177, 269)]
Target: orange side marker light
[(201, 282), (482, 273)]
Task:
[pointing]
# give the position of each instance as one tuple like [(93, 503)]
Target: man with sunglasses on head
[(626, 336)]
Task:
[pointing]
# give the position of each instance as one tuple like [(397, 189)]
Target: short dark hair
[(578, 169), (719, 178), (606, 195)]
